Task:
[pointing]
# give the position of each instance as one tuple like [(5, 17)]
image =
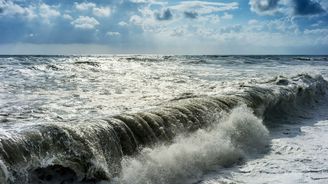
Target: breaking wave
[(182, 138), (222, 144)]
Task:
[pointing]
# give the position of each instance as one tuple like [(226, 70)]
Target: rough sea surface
[(136, 119)]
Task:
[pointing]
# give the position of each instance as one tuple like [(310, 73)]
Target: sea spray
[(228, 141)]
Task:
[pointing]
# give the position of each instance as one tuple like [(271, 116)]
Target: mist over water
[(152, 119)]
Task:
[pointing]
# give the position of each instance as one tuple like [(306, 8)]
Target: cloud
[(231, 29), (47, 11), (131, 22), (322, 31), (136, 19), (85, 22), (213, 19), (178, 32), (164, 15), (288, 7), (122, 23), (154, 17), (11, 9), (84, 6), (204, 7), (141, 1), (253, 22), (101, 11), (67, 17), (227, 16), (264, 7), (307, 7), (190, 15), (97, 11), (320, 36), (2, 4), (30, 12), (113, 34)]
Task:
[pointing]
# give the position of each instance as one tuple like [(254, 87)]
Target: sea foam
[(228, 141)]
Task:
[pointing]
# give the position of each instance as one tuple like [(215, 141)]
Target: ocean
[(163, 119)]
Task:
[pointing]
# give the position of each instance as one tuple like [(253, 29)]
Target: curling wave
[(217, 130)]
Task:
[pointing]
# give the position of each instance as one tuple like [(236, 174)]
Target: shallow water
[(163, 119)]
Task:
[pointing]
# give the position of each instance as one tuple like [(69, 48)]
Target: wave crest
[(187, 157)]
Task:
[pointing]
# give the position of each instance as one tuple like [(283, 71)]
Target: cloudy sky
[(164, 27)]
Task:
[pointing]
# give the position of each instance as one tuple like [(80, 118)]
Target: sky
[(163, 27)]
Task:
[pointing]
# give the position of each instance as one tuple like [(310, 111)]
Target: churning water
[(163, 119)]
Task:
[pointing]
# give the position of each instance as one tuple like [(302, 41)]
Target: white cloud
[(47, 11), (67, 17), (264, 7), (318, 23), (136, 19), (227, 16), (113, 34), (10, 9), (231, 29), (204, 7), (322, 31), (202, 13), (30, 13), (253, 22), (282, 25), (85, 22), (84, 6), (101, 11), (207, 18), (141, 1), (44, 11), (178, 32), (213, 19), (97, 11), (122, 23)]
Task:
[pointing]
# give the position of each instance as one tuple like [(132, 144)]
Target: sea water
[(163, 119)]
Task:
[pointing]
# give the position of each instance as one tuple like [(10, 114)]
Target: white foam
[(298, 155), (189, 156)]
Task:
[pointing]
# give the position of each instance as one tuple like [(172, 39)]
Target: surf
[(180, 138)]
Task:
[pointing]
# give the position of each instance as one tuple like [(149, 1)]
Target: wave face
[(183, 137)]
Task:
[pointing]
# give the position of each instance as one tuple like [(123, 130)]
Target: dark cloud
[(190, 15), (165, 15), (299, 7), (263, 6), (307, 7)]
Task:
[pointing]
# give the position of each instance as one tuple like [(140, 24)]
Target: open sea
[(155, 119)]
